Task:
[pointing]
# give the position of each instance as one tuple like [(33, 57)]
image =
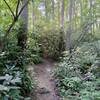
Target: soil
[(46, 89)]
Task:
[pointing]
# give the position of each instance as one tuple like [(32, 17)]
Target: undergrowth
[(15, 82), (78, 74)]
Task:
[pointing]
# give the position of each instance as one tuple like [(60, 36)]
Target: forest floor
[(46, 89)]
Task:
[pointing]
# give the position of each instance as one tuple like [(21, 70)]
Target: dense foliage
[(50, 42), (46, 28), (78, 74), (15, 83)]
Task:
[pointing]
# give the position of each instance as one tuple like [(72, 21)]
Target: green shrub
[(51, 42), (78, 74), (15, 83)]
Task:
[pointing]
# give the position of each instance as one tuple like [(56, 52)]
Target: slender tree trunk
[(58, 4), (24, 16), (91, 13), (69, 29), (22, 35), (46, 9), (33, 14), (62, 15), (53, 11)]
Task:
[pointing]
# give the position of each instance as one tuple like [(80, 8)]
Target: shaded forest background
[(67, 31)]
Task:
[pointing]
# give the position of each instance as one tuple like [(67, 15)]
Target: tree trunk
[(62, 15), (46, 9), (58, 8), (69, 29), (53, 11), (22, 34), (33, 14)]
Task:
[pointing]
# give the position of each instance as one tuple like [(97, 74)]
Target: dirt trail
[(45, 82)]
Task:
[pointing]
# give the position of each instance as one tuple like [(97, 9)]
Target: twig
[(23, 8), (9, 8), (17, 7)]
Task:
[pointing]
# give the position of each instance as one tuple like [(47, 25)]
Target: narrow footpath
[(45, 83)]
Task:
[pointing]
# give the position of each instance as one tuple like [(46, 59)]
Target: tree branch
[(17, 7), (23, 8), (13, 22), (9, 8), (15, 19)]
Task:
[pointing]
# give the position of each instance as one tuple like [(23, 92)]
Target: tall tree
[(53, 9), (69, 29), (46, 9), (62, 14), (58, 10), (22, 35), (33, 13), (24, 16)]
